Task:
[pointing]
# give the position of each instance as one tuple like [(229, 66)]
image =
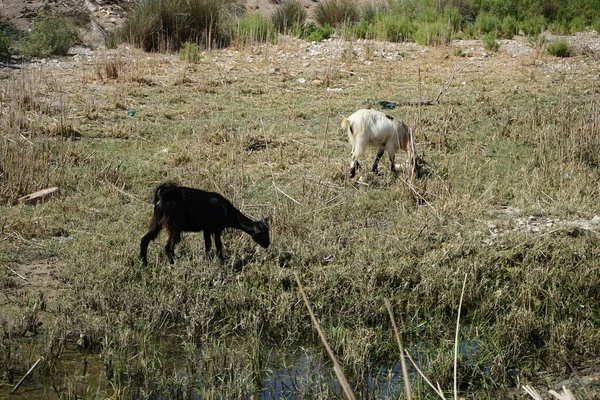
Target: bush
[(533, 25), (509, 27), (578, 24), (558, 48), (190, 52), (434, 33), (490, 43), (311, 32), (369, 10), (335, 12), (8, 35), (559, 27), (289, 13), (453, 18), (163, 25), (392, 28), (596, 24), (486, 23), (256, 28), (363, 30), (50, 35)]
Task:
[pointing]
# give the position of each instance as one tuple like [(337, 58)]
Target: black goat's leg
[(174, 238), (146, 239), (207, 244), (219, 246), (376, 163)]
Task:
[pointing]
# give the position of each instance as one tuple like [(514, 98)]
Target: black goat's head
[(261, 232)]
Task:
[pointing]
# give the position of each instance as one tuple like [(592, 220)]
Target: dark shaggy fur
[(181, 209)]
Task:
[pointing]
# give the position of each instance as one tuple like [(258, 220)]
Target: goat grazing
[(181, 209), (376, 129)]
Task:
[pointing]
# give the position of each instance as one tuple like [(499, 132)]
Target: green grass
[(273, 145), (558, 48)]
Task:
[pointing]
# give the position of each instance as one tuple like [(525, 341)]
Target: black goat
[(182, 209)]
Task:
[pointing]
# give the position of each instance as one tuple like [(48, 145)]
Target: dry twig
[(336, 365)]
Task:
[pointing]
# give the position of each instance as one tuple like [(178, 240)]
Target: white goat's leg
[(376, 163), (356, 152), (392, 153)]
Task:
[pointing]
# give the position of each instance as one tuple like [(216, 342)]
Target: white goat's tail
[(346, 124)]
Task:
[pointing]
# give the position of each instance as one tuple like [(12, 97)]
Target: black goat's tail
[(162, 190)]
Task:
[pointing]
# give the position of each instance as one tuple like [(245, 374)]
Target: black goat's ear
[(265, 219)]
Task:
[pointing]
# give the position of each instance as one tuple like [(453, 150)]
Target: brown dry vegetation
[(516, 135)]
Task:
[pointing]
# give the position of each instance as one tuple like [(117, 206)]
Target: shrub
[(369, 10), (393, 28), (434, 33), (533, 25), (486, 23), (558, 48), (578, 24), (163, 25), (453, 18), (289, 13), (256, 28), (363, 30), (320, 33), (559, 27), (7, 39), (471, 30), (509, 27), (50, 35), (311, 32), (596, 24), (190, 52), (490, 43), (427, 15), (335, 12)]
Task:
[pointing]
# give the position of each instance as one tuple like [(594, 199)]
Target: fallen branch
[(39, 195), (407, 387), (391, 105), (4, 65), (26, 375), (336, 365), (17, 274)]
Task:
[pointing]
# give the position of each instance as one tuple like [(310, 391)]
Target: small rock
[(595, 220), (316, 82)]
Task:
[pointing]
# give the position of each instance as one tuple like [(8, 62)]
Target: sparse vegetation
[(256, 28), (558, 48), (190, 52), (336, 12), (163, 25), (50, 35), (290, 13), (490, 43), (509, 199)]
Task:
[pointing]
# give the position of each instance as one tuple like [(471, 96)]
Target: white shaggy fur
[(376, 129)]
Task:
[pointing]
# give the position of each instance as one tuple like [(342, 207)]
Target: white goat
[(376, 129)]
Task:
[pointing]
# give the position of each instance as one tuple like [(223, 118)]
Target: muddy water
[(73, 372), (302, 374)]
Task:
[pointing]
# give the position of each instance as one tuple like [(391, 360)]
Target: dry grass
[(510, 133)]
